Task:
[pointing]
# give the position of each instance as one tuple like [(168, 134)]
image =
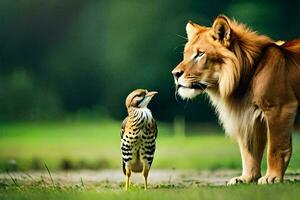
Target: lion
[(254, 85)]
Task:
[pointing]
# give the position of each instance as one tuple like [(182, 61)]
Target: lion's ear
[(222, 30), (191, 30)]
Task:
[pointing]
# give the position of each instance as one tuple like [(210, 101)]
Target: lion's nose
[(177, 73)]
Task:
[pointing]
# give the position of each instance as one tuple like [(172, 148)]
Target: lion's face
[(204, 60)]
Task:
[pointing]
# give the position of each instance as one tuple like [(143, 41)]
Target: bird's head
[(139, 98)]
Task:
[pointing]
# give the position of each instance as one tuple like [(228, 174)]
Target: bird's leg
[(145, 173), (128, 173)]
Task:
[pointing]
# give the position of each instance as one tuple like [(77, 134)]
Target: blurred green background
[(61, 57), (66, 67)]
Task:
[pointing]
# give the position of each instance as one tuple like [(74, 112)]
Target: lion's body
[(254, 84), (274, 79)]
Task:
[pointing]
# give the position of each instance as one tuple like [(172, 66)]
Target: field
[(28, 149), (245, 192), (96, 145)]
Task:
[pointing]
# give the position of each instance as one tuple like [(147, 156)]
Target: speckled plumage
[(138, 134)]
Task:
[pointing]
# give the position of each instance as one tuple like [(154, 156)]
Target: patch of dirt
[(115, 178)]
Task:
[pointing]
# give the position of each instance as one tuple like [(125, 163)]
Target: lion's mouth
[(196, 86), (192, 90), (199, 86)]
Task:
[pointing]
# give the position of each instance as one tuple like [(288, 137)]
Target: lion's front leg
[(251, 153), (280, 123)]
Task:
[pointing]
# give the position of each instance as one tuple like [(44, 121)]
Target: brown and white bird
[(138, 134)]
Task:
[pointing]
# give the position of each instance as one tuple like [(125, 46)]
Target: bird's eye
[(139, 96), (199, 54)]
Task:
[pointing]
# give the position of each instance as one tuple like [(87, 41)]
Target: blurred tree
[(23, 99), (64, 56)]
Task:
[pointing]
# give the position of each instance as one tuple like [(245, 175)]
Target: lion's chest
[(237, 118)]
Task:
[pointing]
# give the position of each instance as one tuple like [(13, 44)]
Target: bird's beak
[(147, 99), (151, 94)]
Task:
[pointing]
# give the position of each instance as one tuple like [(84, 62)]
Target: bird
[(138, 135)]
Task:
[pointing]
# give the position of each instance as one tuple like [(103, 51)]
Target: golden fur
[(254, 84)]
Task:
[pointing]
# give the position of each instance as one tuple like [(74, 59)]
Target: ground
[(164, 184), (115, 178)]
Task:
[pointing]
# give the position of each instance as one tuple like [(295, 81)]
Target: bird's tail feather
[(124, 169)]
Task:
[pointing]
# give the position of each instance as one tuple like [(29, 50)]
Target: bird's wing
[(121, 134), (123, 127), (150, 144)]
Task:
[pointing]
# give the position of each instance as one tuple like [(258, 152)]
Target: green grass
[(95, 145), (258, 192)]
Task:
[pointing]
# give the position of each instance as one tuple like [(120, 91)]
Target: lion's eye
[(199, 54)]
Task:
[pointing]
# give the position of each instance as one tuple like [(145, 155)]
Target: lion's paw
[(243, 179), (237, 180), (269, 179)]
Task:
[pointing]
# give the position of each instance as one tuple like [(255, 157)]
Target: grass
[(95, 145), (278, 191)]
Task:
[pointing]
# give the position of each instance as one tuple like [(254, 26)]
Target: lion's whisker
[(176, 94), (181, 36), (176, 47)]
